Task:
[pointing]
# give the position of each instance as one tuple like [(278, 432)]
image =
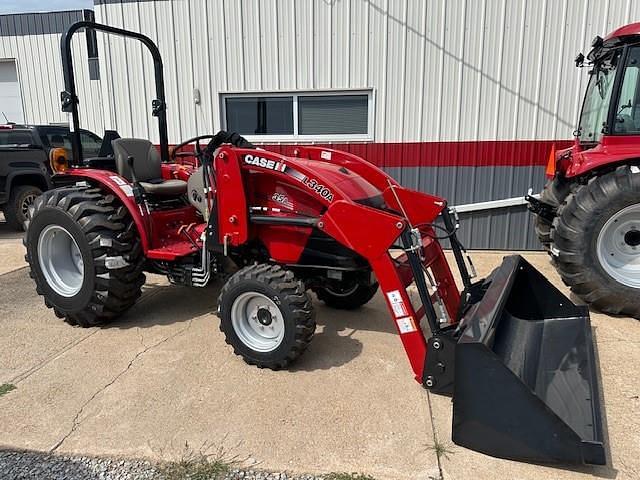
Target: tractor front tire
[(266, 315), (85, 255), (596, 241), (554, 193), (350, 298)]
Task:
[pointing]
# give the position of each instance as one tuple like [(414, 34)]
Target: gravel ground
[(42, 466)]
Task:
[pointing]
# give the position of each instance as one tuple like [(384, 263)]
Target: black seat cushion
[(147, 166), (165, 188)]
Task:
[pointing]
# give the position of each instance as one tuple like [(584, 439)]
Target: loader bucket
[(525, 373)]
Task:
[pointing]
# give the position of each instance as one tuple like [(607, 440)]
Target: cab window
[(627, 118)]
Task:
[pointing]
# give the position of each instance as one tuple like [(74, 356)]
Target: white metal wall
[(40, 76), (441, 69)]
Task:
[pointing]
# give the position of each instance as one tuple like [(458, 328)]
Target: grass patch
[(206, 463), (348, 476), (441, 450), (6, 388)]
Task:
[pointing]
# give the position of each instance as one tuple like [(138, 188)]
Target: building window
[(321, 116), (260, 115), (333, 114)]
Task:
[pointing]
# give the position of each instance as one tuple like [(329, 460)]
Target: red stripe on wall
[(514, 153), (503, 153)]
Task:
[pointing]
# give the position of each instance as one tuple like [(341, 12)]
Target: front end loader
[(514, 353)]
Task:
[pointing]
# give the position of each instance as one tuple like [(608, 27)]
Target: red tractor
[(588, 215), (516, 355)]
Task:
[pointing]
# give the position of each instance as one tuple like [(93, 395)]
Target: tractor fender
[(121, 188), (612, 151)]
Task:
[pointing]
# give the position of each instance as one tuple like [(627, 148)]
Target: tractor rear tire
[(596, 242), (266, 315), (85, 255), (350, 299), (554, 193)]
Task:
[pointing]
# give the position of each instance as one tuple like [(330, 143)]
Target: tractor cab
[(612, 100), (608, 128)]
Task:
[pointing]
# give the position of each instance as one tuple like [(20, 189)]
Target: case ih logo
[(265, 163)]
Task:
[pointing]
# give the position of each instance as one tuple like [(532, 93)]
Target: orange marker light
[(550, 172), (58, 159)]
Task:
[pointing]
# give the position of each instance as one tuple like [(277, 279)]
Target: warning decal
[(128, 191), (406, 325), (119, 181), (397, 304)]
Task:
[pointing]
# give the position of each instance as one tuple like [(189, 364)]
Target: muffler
[(524, 378), (526, 384)]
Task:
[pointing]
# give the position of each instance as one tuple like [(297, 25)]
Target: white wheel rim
[(60, 260), (618, 246), (257, 321)]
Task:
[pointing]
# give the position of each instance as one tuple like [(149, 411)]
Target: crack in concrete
[(54, 356), (76, 419), (13, 270), (435, 437)]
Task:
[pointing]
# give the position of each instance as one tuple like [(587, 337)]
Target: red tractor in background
[(588, 215), (514, 353)]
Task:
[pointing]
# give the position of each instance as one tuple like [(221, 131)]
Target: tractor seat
[(147, 166)]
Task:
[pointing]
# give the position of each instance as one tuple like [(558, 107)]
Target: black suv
[(24, 164)]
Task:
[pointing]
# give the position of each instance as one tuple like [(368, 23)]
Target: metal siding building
[(31, 42), (466, 96)]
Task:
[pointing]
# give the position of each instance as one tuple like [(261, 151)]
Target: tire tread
[(103, 220)]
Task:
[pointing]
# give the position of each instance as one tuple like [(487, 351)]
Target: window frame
[(295, 137)]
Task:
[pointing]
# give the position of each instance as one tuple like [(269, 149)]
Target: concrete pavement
[(163, 376), (11, 249)]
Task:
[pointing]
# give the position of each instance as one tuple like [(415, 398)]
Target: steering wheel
[(215, 141), (199, 152)]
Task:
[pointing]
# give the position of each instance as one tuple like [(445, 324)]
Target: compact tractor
[(588, 215), (514, 353)]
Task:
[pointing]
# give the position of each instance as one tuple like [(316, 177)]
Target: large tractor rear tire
[(85, 255), (266, 315), (554, 193), (596, 241)]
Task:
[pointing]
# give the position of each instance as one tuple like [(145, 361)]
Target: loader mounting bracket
[(439, 368)]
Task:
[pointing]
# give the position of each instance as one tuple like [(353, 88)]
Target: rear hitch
[(540, 208)]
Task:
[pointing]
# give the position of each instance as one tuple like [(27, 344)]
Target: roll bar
[(69, 97)]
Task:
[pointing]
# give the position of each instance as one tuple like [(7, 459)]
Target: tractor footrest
[(172, 250)]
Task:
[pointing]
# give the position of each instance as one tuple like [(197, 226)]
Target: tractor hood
[(341, 178)]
